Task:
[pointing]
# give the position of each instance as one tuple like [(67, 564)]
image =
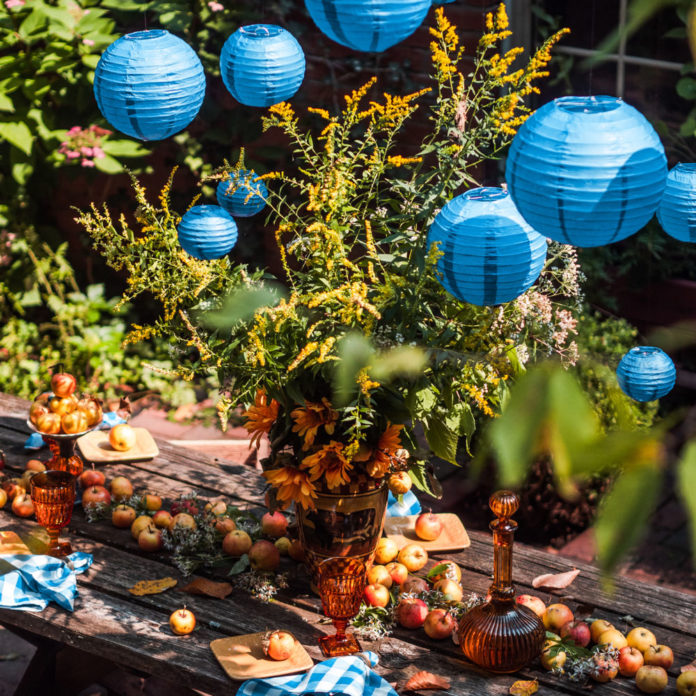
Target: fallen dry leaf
[(145, 587), (422, 681), (691, 667), (208, 588), (557, 581), (524, 688)]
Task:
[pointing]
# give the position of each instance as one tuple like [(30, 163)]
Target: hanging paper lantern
[(207, 232), (240, 195), (646, 373), (368, 25), (149, 84), (677, 211), (262, 64), (586, 170), (491, 255)]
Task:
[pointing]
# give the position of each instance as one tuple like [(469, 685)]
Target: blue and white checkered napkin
[(35, 580), (339, 675), (409, 505), (35, 441)]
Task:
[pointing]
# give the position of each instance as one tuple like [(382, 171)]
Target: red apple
[(63, 384), (225, 525), (651, 679), (451, 590), (123, 516), (91, 477), (95, 495), (439, 624), (279, 645), (296, 551), (22, 505), (555, 616), (263, 555), (35, 465), (162, 519), (378, 574), (411, 612), (413, 556), (182, 621), (152, 502), (578, 632), (14, 487), (236, 543), (397, 571), (428, 526), (604, 669), (413, 584), (121, 488), (274, 524), (182, 521), (150, 539), (659, 655), (630, 661), (533, 603), (377, 595)]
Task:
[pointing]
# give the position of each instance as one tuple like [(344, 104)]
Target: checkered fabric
[(30, 582), (409, 505), (339, 675)]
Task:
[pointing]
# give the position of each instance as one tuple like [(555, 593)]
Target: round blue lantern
[(207, 232), (646, 373), (677, 211), (490, 254), (241, 195), (262, 64), (149, 84), (368, 25), (586, 170)]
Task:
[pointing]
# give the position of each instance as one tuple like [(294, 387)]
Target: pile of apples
[(62, 411), (16, 490), (639, 654)]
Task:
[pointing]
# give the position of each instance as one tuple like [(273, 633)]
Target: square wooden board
[(242, 658), (453, 536), (95, 447)]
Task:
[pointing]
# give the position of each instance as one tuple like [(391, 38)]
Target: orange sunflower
[(292, 484), (330, 462), (389, 442), (311, 417), (261, 416)]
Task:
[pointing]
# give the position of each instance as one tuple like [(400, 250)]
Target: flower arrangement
[(358, 364)]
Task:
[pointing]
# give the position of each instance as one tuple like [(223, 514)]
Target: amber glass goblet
[(341, 586), (53, 495)]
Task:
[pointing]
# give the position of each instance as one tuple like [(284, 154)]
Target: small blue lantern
[(242, 195), (207, 232), (491, 255), (586, 170), (677, 211), (646, 373), (368, 25), (149, 84), (262, 64)]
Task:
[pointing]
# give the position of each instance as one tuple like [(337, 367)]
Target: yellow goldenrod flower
[(320, 112)]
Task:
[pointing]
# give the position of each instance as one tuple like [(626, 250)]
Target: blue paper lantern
[(677, 211), (368, 25), (262, 64), (149, 84), (207, 232), (491, 255), (240, 195), (586, 170), (646, 373)]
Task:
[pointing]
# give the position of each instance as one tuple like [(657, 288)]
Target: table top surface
[(134, 631)]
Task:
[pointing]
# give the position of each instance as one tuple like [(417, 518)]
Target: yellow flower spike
[(501, 17), (399, 161), (356, 95), (283, 111), (320, 112), (304, 353), (489, 22)]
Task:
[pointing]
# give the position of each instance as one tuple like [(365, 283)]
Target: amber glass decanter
[(501, 635)]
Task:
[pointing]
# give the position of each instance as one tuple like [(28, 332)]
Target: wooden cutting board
[(453, 536), (95, 447), (242, 658)]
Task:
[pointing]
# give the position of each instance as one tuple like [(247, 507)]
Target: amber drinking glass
[(341, 583), (53, 495)]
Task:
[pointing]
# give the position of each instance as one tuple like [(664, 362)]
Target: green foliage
[(686, 485)]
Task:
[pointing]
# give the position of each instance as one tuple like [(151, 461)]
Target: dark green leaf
[(240, 566), (442, 440)]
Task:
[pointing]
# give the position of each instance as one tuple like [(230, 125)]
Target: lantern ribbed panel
[(368, 25), (207, 232), (239, 203), (586, 170), (646, 373), (149, 84), (491, 255), (262, 64), (677, 211)]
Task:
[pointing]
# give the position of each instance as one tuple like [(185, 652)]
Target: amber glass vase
[(501, 635), (53, 495), (64, 456)]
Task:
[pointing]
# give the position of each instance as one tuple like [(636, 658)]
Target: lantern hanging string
[(592, 45)]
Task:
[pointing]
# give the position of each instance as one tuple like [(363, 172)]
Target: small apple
[(451, 590), (14, 487), (686, 683), (386, 551), (74, 422), (263, 555), (536, 604), (651, 679), (274, 524), (139, 523), (659, 655), (279, 645), (121, 488), (91, 477), (397, 571), (92, 410), (296, 551), (604, 669), (182, 521), (413, 584), (552, 660), (123, 516), (411, 612), (378, 574), (413, 556), (3, 498), (236, 543), (578, 632), (225, 525), (95, 495), (399, 483), (447, 569), (63, 384), (428, 526), (217, 508), (162, 519), (35, 465), (439, 624), (22, 505), (122, 437), (612, 637), (376, 595), (35, 411), (282, 544), (598, 627), (150, 539), (48, 423), (641, 638), (630, 661), (182, 621), (60, 406), (555, 616), (152, 502)]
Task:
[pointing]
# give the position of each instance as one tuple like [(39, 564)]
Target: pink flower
[(98, 153), (88, 42), (74, 130), (72, 154), (87, 163), (9, 4), (86, 151), (216, 6)]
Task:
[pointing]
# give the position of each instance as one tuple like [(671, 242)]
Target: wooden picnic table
[(133, 632)]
